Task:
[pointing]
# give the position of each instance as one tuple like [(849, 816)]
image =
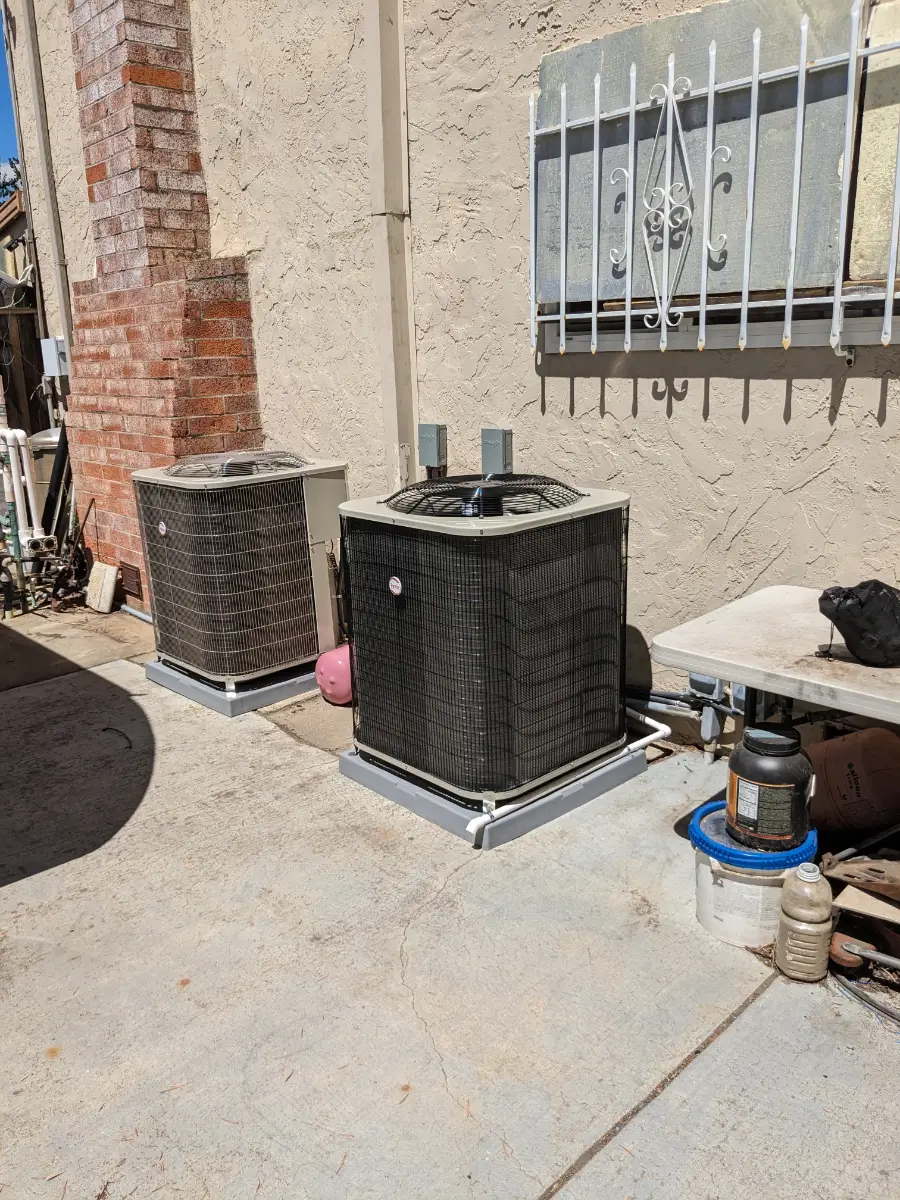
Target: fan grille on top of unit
[(483, 496), (246, 462)]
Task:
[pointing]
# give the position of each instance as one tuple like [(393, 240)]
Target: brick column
[(163, 359)]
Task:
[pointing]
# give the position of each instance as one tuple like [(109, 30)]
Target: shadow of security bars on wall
[(712, 214)]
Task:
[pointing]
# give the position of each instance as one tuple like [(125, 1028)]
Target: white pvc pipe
[(136, 612), (28, 471), (15, 467), (659, 731)]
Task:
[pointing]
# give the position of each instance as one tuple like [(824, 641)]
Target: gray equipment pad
[(250, 696), (571, 793)]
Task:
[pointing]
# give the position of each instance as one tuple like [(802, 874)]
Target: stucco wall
[(282, 108), (282, 115), (744, 469), (65, 143)]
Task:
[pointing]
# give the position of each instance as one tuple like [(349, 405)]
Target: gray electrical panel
[(497, 451), (433, 445), (56, 361)]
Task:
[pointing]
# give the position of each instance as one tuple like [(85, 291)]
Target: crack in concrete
[(404, 966), (498, 1133), (614, 1130)]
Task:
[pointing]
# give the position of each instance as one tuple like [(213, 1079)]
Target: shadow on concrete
[(76, 755), (24, 661)]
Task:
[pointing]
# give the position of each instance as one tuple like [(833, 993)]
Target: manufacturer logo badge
[(162, 528), (395, 586)]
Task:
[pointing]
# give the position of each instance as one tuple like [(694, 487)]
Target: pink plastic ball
[(333, 675)]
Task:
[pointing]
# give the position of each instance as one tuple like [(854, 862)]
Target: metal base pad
[(257, 693), (567, 795)]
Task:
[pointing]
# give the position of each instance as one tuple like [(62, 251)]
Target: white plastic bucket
[(738, 905)]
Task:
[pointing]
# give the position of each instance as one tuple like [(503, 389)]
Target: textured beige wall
[(65, 144), (744, 469), (282, 105), (282, 112)]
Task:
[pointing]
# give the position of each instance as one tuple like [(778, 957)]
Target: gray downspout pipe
[(45, 161), (31, 254)]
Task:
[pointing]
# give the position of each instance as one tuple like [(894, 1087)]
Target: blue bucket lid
[(708, 833)]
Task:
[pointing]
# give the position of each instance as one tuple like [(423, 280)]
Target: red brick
[(212, 268), (163, 351), (227, 308), (179, 218), (155, 54), (221, 347), (241, 402), (242, 366), (201, 405), (157, 77), (216, 329), (243, 441), (209, 387), (203, 426), (199, 445)]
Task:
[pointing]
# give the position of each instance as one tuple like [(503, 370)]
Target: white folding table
[(768, 642)]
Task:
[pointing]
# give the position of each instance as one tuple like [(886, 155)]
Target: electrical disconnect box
[(433, 445), (497, 451), (56, 360)]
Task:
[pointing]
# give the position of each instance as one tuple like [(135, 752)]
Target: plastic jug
[(804, 928)]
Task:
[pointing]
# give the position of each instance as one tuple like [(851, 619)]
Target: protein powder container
[(770, 781)]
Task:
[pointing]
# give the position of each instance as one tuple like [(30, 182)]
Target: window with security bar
[(696, 182)]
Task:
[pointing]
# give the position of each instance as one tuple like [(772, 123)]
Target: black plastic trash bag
[(868, 619)]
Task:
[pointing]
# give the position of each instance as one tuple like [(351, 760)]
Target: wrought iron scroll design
[(670, 210)]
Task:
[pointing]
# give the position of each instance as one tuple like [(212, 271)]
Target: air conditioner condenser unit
[(240, 553), (487, 617)]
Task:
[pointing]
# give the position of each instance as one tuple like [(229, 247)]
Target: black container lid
[(778, 741)]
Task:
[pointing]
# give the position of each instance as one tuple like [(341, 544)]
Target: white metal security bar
[(669, 214)]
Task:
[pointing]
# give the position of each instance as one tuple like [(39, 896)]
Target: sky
[(7, 128)]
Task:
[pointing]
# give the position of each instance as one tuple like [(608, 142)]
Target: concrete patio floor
[(229, 972)]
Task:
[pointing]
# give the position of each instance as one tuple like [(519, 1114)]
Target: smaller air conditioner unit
[(240, 553)]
